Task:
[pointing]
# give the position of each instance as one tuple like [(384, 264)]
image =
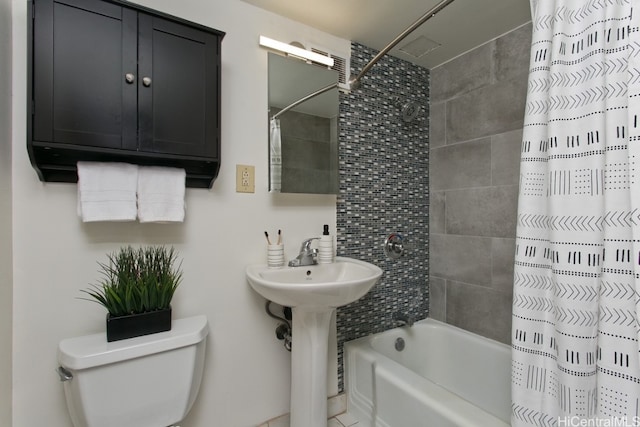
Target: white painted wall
[(54, 255), (5, 213)]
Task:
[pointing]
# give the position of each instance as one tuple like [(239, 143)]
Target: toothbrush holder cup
[(275, 256)]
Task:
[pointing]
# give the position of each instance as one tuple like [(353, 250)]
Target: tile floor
[(341, 420), (337, 409)]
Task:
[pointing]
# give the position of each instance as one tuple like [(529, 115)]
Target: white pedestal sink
[(313, 292)]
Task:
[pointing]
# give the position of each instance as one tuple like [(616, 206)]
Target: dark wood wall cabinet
[(113, 81)]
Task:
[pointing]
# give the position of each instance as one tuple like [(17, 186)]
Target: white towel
[(107, 191), (161, 194)]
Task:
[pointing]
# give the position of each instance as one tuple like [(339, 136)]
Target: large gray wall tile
[(484, 311), (487, 111), (512, 54), (503, 256), (483, 211), (470, 211), (463, 74), (305, 126), (505, 158), (461, 258), (461, 165), (303, 180), (437, 125), (436, 212), (437, 298), (303, 153), (505, 210), (471, 264)]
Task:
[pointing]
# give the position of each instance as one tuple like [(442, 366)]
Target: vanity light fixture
[(296, 51)]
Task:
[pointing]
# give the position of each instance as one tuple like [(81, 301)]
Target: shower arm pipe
[(354, 82), (306, 98)]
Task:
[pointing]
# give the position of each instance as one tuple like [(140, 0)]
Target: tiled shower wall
[(309, 148), (384, 185), (477, 113)]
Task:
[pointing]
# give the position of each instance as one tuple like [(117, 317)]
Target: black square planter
[(135, 325)]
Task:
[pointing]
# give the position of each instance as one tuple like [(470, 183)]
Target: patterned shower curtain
[(577, 270)]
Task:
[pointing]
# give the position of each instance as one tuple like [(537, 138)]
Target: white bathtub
[(444, 377)]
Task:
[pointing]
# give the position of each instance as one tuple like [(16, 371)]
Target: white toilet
[(148, 381)]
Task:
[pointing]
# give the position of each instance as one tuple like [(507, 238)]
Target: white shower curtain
[(275, 156), (577, 275)]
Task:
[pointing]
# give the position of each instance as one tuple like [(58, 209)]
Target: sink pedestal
[(309, 357), (313, 292)]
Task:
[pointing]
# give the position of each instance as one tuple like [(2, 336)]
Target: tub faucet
[(307, 256), (403, 318)]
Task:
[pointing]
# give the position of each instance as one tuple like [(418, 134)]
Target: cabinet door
[(82, 51), (178, 109)]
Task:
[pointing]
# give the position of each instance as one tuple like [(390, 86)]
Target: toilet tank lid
[(90, 351)]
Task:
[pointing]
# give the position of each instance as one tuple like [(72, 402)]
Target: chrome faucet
[(403, 318), (307, 255)]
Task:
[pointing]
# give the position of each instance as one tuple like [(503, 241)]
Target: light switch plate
[(245, 179)]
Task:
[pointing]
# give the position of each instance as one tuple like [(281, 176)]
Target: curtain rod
[(354, 82), (301, 100)]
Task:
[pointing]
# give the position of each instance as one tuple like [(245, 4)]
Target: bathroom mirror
[(303, 141)]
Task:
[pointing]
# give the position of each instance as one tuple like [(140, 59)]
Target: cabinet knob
[(146, 81), (129, 78)]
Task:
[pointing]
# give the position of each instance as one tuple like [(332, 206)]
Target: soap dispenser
[(325, 252)]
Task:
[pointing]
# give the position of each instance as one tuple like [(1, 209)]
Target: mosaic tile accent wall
[(384, 188)]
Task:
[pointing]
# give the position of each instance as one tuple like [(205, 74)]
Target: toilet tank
[(148, 381)]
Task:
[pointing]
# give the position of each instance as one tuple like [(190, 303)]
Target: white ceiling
[(460, 27)]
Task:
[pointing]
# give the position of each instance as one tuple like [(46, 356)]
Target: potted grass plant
[(136, 289)]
